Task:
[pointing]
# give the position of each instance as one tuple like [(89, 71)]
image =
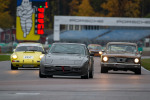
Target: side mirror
[(91, 54), (14, 50), (46, 51), (103, 50), (141, 52), (43, 52)]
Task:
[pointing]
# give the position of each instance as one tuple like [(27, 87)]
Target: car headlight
[(136, 60), (14, 57), (41, 56), (100, 52), (105, 59)]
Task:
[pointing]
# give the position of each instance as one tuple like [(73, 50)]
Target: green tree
[(5, 17), (122, 8)]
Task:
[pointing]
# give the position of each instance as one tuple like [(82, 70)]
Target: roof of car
[(94, 44), (122, 43), (69, 43), (29, 44)]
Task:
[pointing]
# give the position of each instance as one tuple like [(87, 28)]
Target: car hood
[(123, 55), (64, 59)]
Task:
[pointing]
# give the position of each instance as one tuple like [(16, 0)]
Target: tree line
[(98, 8)]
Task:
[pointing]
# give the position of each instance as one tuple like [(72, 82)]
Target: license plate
[(28, 57), (28, 65)]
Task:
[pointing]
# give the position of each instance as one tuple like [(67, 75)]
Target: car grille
[(58, 68), (120, 60), (94, 52)]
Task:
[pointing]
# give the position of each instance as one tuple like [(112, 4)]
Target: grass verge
[(4, 57), (146, 63)]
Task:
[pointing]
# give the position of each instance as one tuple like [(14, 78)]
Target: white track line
[(145, 69), (27, 93)]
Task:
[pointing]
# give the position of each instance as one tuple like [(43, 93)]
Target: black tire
[(138, 71), (86, 76), (41, 75), (104, 70), (91, 74), (13, 68), (51, 76)]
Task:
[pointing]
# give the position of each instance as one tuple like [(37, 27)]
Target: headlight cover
[(136, 60), (14, 57), (105, 58), (41, 56)]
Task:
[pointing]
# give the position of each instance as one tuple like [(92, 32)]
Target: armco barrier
[(6, 49)]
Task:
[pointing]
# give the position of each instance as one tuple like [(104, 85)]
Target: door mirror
[(103, 50), (91, 54), (14, 50), (43, 52), (141, 52), (47, 51)]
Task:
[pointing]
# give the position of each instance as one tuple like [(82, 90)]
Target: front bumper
[(64, 70), (120, 66), (17, 63)]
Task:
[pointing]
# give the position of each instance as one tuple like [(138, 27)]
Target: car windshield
[(121, 48), (68, 49), (94, 47), (29, 48)]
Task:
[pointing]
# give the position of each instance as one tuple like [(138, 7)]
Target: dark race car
[(67, 59), (96, 49)]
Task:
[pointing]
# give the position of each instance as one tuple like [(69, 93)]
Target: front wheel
[(138, 71), (86, 76), (41, 75), (104, 70), (13, 68), (51, 76), (91, 74)]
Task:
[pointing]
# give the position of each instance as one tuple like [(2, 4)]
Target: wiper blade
[(32, 50), (73, 53), (56, 52)]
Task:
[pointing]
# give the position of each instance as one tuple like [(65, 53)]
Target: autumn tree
[(81, 8), (74, 7), (85, 9), (6, 20), (97, 8), (122, 8)]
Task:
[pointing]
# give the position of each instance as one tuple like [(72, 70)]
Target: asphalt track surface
[(25, 84)]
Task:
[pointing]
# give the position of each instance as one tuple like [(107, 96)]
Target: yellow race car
[(27, 55)]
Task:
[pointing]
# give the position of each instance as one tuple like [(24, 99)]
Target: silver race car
[(68, 59)]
